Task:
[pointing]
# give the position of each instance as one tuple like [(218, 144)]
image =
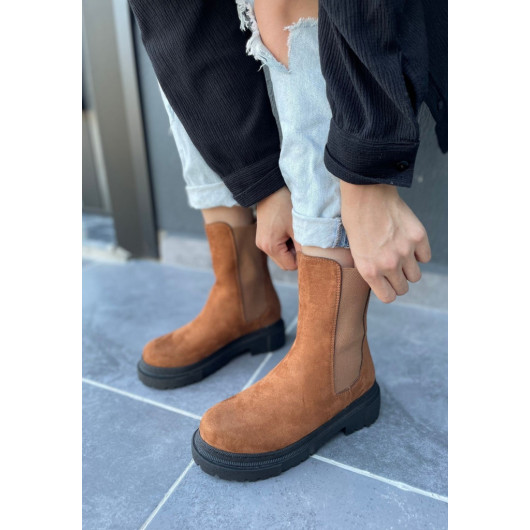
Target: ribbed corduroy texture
[(198, 53), (381, 59)]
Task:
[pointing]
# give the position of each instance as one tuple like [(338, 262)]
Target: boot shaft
[(327, 369), (241, 272), (332, 327)]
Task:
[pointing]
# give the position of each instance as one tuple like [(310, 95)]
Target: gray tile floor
[(137, 468), (98, 229)]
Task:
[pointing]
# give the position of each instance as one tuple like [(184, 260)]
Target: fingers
[(291, 246), (411, 270), (282, 250), (382, 289), (398, 282), (281, 253), (284, 257), (423, 250), (391, 280)]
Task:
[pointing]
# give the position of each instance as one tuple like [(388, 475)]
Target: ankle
[(234, 216), (341, 255)]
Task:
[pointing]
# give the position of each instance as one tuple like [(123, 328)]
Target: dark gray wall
[(427, 197)]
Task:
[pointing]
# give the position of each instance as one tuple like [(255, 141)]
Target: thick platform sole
[(250, 467), (261, 341)]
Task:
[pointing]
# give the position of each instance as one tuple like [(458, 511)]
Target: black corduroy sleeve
[(374, 58), (198, 53)]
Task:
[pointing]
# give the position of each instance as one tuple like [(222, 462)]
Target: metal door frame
[(112, 83)]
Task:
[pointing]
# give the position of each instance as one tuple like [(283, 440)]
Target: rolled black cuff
[(360, 161), (256, 182)]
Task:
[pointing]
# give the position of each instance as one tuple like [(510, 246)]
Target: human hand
[(386, 239), (274, 233)]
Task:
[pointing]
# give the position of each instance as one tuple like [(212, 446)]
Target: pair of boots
[(325, 384)]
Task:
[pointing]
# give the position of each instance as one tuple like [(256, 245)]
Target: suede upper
[(241, 301), (299, 394)]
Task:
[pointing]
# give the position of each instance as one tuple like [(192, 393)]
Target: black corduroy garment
[(381, 59), (198, 53)]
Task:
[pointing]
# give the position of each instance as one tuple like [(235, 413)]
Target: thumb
[(284, 257)]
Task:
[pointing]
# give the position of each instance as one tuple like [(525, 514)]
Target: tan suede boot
[(242, 314), (325, 384)]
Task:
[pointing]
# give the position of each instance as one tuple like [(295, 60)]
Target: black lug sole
[(261, 341), (250, 467)]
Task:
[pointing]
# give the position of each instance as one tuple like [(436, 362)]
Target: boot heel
[(364, 417), (268, 339)]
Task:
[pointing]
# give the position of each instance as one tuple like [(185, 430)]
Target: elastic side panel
[(252, 276), (350, 330)]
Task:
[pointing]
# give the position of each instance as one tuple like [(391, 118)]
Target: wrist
[(273, 196), (355, 193)]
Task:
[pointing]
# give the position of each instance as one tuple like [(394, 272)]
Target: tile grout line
[(184, 473), (254, 376), (257, 371), (90, 265), (419, 307), (167, 495), (395, 483), (399, 303), (183, 412), (140, 398), (400, 485), (292, 325)]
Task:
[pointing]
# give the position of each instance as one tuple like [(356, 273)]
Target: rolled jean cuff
[(319, 231), (209, 196)]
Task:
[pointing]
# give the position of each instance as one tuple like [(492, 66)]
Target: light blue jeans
[(303, 112)]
